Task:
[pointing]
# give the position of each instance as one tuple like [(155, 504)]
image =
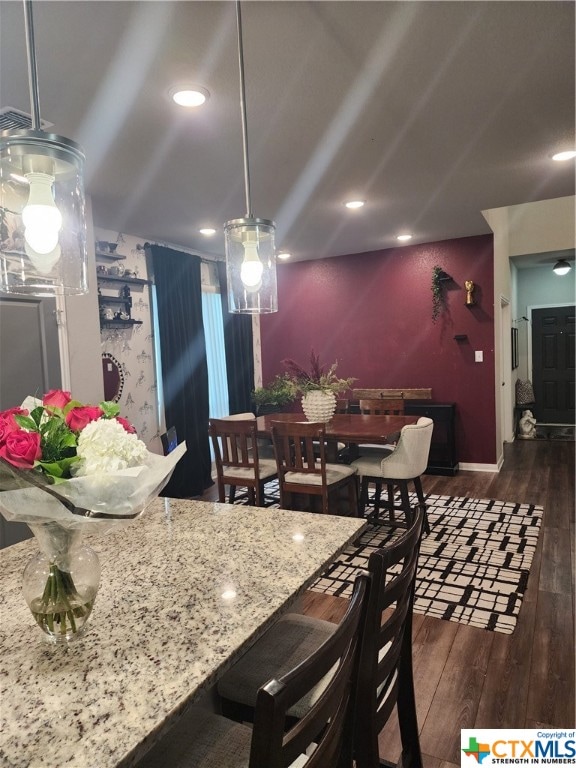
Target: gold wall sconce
[(470, 288)]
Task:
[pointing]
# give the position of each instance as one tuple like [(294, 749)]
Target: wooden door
[(553, 364)]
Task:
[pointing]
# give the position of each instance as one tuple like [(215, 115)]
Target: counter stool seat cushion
[(203, 739), (266, 469), (334, 474), (286, 644)]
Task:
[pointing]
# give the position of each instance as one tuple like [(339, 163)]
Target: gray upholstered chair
[(322, 738), (403, 465)]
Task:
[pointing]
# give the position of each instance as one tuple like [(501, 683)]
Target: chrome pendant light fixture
[(250, 248), (42, 208)]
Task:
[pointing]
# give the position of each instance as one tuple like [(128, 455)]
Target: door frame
[(506, 394)]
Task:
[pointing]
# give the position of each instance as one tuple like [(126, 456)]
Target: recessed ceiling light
[(207, 231), (568, 155), (403, 238), (193, 96), (561, 267), (284, 255), (354, 203)]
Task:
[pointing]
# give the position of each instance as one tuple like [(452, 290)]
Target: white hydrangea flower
[(104, 446)]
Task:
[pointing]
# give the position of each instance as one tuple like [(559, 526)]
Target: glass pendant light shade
[(561, 267), (251, 266), (42, 215)]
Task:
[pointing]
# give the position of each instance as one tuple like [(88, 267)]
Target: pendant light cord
[(32, 67), (243, 111)]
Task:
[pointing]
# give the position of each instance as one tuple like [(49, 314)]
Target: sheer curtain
[(239, 352), (215, 355)]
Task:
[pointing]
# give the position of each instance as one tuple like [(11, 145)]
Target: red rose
[(8, 422), (21, 448), (57, 398), (126, 424), (78, 418)]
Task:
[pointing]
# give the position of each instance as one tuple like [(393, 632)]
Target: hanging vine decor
[(438, 297)]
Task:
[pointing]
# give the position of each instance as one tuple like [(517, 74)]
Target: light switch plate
[(478, 356)]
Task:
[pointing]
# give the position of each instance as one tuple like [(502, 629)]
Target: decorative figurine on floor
[(469, 285), (527, 426)]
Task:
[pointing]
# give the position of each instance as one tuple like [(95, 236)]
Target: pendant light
[(250, 249), (561, 267), (42, 208)]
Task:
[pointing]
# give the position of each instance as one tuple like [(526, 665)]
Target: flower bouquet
[(67, 469)]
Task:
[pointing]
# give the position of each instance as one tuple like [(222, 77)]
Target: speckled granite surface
[(161, 631)]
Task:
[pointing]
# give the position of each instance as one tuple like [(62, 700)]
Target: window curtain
[(239, 351), (184, 367)]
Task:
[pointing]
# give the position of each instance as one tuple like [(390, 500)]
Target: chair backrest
[(385, 669), (342, 405), (239, 416), (300, 446), (329, 721), (410, 457), (233, 441), (383, 405)]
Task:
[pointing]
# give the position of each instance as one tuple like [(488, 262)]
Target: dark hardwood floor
[(472, 678)]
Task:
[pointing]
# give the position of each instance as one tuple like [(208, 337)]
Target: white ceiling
[(431, 111)]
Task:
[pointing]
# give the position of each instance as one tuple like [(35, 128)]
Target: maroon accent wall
[(373, 313)]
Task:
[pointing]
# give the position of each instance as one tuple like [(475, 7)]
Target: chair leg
[(391, 511), (422, 500), (232, 494), (221, 492), (406, 703), (363, 496), (405, 501), (353, 496), (377, 497)]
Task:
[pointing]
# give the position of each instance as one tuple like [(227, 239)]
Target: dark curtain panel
[(239, 352), (184, 367)]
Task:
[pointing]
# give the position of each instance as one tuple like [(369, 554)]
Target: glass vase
[(60, 583)]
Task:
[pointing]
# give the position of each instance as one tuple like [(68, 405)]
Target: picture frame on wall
[(514, 348)]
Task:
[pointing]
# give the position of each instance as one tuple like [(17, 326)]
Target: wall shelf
[(119, 323), (110, 256), (116, 279)]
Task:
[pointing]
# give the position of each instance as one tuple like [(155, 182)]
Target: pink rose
[(21, 448), (57, 398), (78, 418), (126, 424), (8, 422)]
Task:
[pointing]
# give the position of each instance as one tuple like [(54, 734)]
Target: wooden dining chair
[(385, 669), (322, 737), (300, 448), (402, 466), (238, 463), (388, 406)]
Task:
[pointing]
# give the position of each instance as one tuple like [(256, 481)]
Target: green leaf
[(111, 410), (37, 414), (59, 468), (26, 422)]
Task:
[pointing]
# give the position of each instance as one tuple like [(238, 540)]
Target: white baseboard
[(480, 467)]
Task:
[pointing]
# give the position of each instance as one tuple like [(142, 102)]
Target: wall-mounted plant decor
[(439, 277)]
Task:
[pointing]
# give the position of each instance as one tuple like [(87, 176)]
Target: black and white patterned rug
[(473, 566)]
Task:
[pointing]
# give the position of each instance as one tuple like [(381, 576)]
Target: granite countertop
[(161, 631)]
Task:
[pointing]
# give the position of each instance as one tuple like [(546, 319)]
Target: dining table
[(351, 428), (185, 590)]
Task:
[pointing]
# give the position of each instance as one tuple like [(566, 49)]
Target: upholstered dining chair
[(385, 670), (237, 458), (202, 739), (300, 448), (405, 464)]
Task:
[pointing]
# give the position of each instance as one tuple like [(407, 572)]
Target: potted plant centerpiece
[(318, 387), (279, 392)]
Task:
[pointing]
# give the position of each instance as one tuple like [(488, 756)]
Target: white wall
[(540, 227)]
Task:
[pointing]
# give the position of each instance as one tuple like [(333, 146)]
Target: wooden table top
[(346, 427)]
